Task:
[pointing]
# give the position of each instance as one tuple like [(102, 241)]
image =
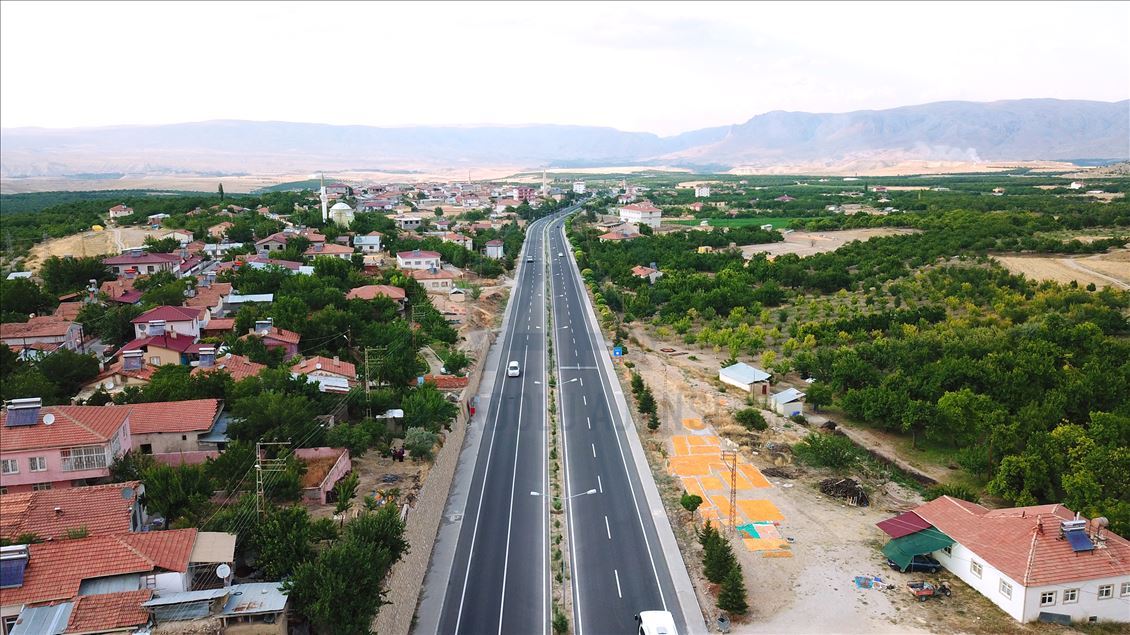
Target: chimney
[(207, 356), (58, 511), (155, 327)]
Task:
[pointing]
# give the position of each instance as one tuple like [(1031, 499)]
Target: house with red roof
[(647, 273), (166, 319), (618, 235), (459, 239), (331, 375), (120, 211), (238, 366), (374, 291), (98, 566), (58, 447), (42, 333), (369, 243), (328, 250), (49, 514), (130, 369), (1041, 561), (164, 427), (209, 294), (494, 249), (138, 262), (785, 198), (121, 291), (417, 259), (642, 213), (435, 280), (274, 337)]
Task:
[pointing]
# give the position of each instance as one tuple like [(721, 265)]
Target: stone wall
[(406, 579)]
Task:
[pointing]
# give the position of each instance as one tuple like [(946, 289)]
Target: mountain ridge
[(1027, 129)]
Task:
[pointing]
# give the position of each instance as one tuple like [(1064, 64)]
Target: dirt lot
[(809, 243), (813, 588), (1104, 270), (111, 240)]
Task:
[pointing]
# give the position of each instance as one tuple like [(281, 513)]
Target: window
[(1125, 590), (155, 360), (1005, 589), (9, 466), (1070, 596), (1106, 591), (90, 457), (3, 491), (41, 487), (184, 437), (1047, 598), (37, 464), (975, 567), (147, 448), (948, 549)]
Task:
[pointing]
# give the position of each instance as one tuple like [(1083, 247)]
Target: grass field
[(777, 222)]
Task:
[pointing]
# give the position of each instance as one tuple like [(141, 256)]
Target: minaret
[(544, 184), (325, 211)]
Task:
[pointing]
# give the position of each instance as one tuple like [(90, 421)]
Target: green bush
[(419, 442), (827, 450), (751, 419), (690, 502)]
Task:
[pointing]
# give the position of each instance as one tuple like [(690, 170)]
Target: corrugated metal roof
[(184, 597), (256, 597), (744, 373), (43, 620)]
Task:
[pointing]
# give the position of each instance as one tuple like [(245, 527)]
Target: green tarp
[(902, 550)]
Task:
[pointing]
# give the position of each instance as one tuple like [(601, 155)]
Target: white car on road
[(512, 369)]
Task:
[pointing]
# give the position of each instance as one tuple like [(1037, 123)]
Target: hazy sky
[(654, 66)]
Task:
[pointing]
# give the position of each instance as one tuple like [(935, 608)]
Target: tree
[(653, 422), (23, 297), (731, 597), (419, 442), (345, 490), (131, 466), (439, 212), (220, 191), (61, 275), (282, 541), (819, 394), (751, 419), (232, 466), (690, 502), (176, 492), (426, 407), (717, 555)]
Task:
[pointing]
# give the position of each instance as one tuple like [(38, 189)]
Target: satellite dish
[(127, 493), (223, 571), (48, 419)]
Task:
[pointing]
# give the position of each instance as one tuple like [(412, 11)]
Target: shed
[(746, 377), (788, 403)]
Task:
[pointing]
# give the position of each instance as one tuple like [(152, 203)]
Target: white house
[(578, 187), (702, 191), (369, 243), (182, 320), (750, 379), (1043, 559), (119, 211), (642, 213), (494, 249), (417, 259), (404, 221), (788, 403)]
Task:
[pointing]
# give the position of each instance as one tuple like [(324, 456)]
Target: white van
[(512, 370), (656, 623)]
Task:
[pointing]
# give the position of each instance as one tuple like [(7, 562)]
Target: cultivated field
[(1104, 270), (776, 221), (809, 243)]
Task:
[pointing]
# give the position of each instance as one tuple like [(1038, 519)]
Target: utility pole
[(730, 458), (263, 467)]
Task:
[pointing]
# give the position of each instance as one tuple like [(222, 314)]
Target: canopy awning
[(902, 550), (903, 525)]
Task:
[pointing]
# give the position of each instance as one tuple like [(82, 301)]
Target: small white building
[(642, 213), (788, 403), (1031, 561), (369, 243), (578, 187), (417, 259), (494, 249), (341, 214), (742, 375), (702, 191), (405, 221)]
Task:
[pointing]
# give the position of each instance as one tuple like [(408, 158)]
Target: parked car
[(924, 564)]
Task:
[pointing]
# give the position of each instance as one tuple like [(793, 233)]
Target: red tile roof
[(372, 291), (170, 341), (416, 253), (145, 373), (446, 382), (328, 365), (73, 425), (170, 314), (328, 249), (57, 568), (618, 236), (238, 366), (173, 416), (276, 334), (207, 297), (220, 324), (42, 326), (426, 274), (142, 259), (109, 611), (68, 310), (642, 206), (1024, 543), (101, 509), (642, 272)]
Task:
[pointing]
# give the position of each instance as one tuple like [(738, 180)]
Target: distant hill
[(1027, 129)]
